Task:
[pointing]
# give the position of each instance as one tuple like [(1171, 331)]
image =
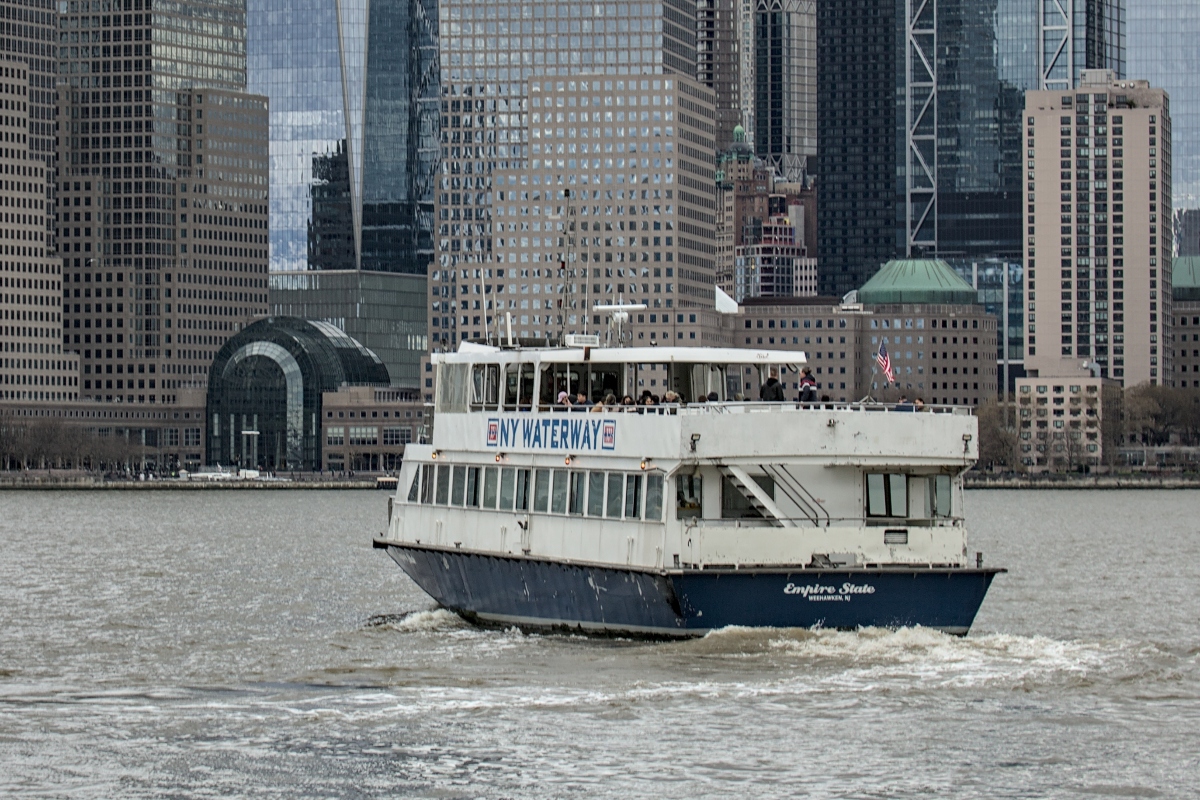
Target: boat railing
[(825, 522), (750, 407)]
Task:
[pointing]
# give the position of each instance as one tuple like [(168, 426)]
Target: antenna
[(618, 317), (487, 331), (566, 294)]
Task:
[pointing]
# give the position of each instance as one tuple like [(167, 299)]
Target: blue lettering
[(558, 432)]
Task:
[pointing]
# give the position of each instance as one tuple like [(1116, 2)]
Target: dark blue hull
[(529, 592)]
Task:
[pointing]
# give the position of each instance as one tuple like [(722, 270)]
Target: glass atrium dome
[(265, 386)]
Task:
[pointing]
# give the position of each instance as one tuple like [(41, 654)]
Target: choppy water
[(230, 644)]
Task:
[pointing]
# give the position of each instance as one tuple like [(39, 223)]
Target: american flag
[(885, 363)]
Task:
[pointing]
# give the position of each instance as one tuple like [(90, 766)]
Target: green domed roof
[(739, 133), (1185, 278), (916, 281)]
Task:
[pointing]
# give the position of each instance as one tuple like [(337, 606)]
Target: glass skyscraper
[(785, 103), (353, 88), (919, 123), (1163, 49)]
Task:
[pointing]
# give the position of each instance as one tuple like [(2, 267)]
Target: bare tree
[(998, 437)]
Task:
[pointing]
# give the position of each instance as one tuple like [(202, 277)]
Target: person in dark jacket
[(808, 386), (772, 390)]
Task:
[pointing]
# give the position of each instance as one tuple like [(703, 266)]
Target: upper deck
[(504, 402)]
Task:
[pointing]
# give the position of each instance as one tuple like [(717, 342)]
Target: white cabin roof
[(471, 353)]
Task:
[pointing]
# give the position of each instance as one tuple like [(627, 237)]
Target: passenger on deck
[(564, 401), (808, 386), (904, 405), (627, 403), (598, 408), (919, 404), (772, 390)]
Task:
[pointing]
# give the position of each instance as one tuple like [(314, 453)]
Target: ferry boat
[(675, 519)]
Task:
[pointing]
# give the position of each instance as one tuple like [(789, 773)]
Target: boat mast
[(566, 292), (618, 317)]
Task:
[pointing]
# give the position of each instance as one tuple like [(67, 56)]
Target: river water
[(252, 644)]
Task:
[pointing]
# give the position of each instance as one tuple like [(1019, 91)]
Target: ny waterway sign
[(569, 432)]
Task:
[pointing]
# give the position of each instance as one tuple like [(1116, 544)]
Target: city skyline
[(430, 160)]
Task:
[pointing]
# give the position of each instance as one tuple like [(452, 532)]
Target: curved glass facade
[(265, 391), (352, 169)]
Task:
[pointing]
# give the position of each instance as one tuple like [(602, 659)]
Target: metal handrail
[(722, 407), (827, 522)]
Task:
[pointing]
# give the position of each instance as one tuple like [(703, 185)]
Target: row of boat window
[(611, 495), (915, 496)]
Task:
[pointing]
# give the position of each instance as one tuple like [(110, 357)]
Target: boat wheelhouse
[(679, 517)]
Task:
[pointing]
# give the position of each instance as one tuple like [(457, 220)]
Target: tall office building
[(353, 89), (354, 146), (744, 16), (1162, 49), (1098, 239), (491, 55), (919, 124), (162, 193), (718, 64), (33, 364), (619, 215), (785, 78)]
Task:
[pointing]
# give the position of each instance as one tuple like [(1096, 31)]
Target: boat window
[(654, 498), (595, 505), (603, 379), (739, 504), (518, 387), (522, 497), (453, 387), (559, 378), (616, 487), (939, 495), (507, 483), (887, 495), (578, 483), (485, 387), (489, 487), (633, 496), (558, 492), (460, 485), (427, 483), (688, 491), (414, 490), (443, 484), (541, 490), (472, 498)]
